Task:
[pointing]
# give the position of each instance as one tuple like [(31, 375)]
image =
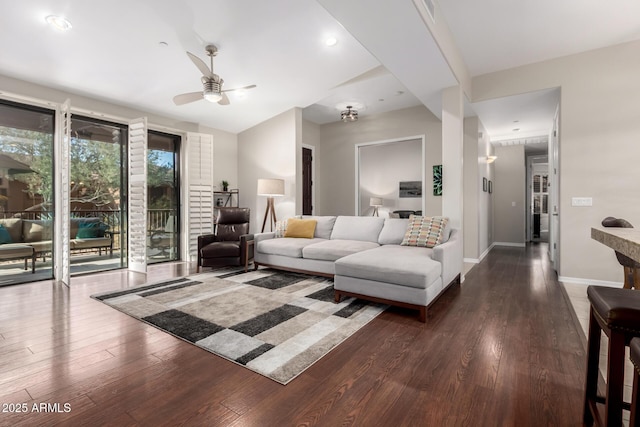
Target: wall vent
[(431, 8)]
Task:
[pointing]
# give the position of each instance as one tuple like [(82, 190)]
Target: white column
[(452, 154)]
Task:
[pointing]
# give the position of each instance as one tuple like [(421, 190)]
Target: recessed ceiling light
[(331, 41), (400, 92), (59, 23), (516, 129), (163, 44)]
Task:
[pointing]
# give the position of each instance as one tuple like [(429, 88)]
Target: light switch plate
[(581, 201)]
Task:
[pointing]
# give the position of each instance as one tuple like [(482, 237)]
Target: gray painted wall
[(598, 145), (336, 193), (509, 195), (269, 150)]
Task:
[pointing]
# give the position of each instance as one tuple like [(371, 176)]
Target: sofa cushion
[(300, 228), (365, 228), (331, 250), (90, 243), (287, 246), (15, 250), (36, 230), (393, 231), (14, 227), (324, 226), (411, 266), (424, 231), (44, 246)]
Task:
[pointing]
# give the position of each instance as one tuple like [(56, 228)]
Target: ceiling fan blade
[(239, 88), (186, 98), (224, 100), (204, 69)]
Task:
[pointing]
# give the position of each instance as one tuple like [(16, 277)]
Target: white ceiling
[(524, 116), (113, 51)]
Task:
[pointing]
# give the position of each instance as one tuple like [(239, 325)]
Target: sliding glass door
[(26, 193), (98, 188), (163, 197)]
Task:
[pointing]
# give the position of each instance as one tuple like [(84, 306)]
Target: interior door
[(540, 203), (307, 181)]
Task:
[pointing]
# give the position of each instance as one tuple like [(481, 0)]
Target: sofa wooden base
[(293, 270), (422, 310)]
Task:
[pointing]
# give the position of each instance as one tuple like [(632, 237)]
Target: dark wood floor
[(502, 349)]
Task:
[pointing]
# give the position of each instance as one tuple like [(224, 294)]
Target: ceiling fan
[(211, 82)]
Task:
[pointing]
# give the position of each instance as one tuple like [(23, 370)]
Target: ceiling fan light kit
[(211, 82)]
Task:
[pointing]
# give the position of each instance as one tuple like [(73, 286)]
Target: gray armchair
[(231, 245)]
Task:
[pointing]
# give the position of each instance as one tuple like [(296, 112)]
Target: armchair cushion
[(221, 250)]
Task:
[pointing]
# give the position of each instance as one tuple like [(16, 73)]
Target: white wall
[(598, 145), (509, 195), (478, 206), (269, 150), (382, 167), (225, 157), (337, 192)]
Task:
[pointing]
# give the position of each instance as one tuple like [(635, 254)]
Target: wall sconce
[(375, 202), (491, 159)]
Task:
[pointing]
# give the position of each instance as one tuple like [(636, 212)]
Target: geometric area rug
[(272, 322)]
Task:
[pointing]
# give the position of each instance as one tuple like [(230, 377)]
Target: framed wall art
[(410, 189), (437, 180)]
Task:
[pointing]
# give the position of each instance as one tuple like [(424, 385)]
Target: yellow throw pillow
[(302, 228)]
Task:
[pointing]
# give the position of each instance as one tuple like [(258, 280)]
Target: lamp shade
[(375, 201), (270, 187)]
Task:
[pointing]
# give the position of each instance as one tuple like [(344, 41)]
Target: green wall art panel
[(437, 180)]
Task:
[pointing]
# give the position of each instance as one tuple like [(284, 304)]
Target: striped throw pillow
[(424, 231), (281, 228)]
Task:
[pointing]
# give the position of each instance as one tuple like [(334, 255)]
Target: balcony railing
[(157, 219)]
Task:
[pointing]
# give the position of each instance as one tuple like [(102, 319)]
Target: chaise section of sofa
[(365, 257)]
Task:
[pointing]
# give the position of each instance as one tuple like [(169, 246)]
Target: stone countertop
[(624, 240)]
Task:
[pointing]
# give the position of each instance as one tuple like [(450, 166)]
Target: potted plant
[(225, 185)]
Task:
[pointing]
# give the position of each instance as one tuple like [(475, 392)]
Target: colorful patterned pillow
[(281, 228), (424, 231)]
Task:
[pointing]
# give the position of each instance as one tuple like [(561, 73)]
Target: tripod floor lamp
[(270, 188)]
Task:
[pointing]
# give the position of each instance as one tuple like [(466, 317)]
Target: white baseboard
[(581, 281), (482, 256), (515, 245)]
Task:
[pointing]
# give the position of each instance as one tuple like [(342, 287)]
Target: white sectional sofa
[(366, 260)]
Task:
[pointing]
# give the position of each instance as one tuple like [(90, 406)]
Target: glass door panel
[(163, 198), (98, 182), (26, 193)]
